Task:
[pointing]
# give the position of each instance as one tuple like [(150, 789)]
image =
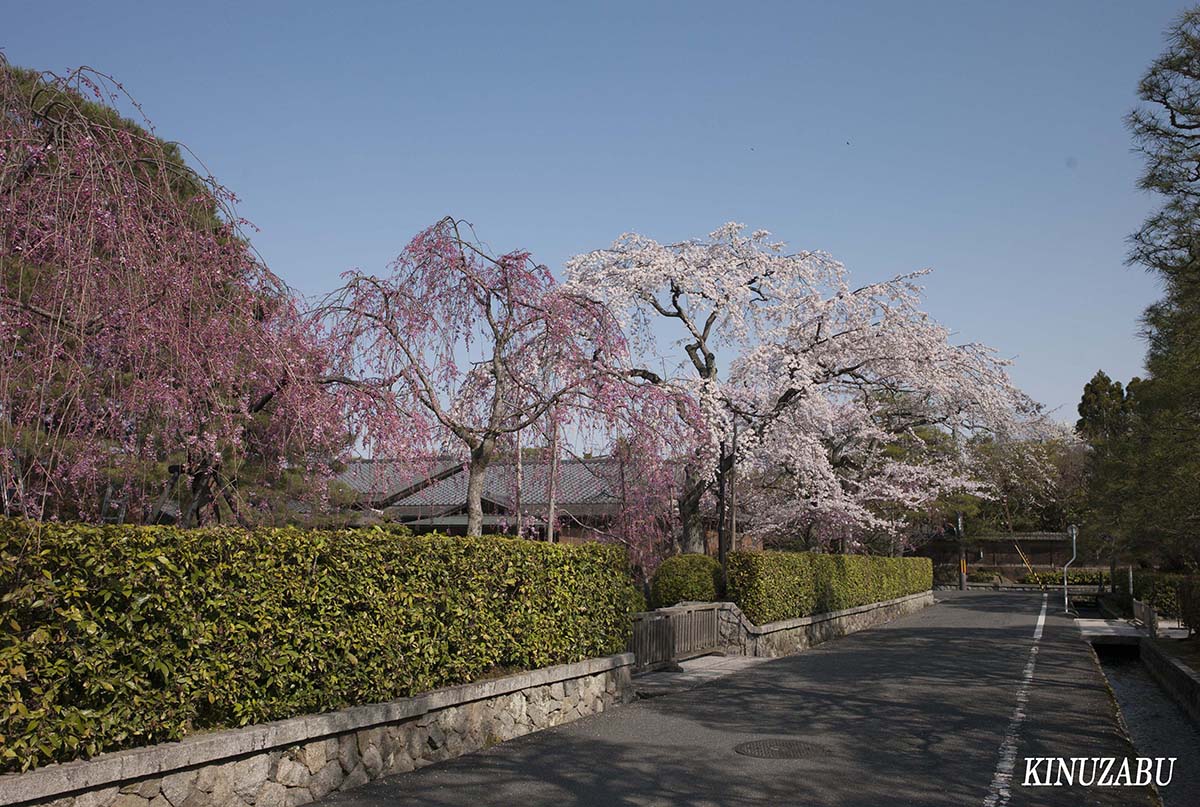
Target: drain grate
[(779, 749)]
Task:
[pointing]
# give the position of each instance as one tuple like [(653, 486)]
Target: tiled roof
[(1021, 536), (377, 480), (580, 481)]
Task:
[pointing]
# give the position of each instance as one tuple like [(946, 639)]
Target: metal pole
[(1066, 599)]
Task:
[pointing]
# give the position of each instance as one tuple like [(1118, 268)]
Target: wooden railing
[(670, 635), (1144, 612)]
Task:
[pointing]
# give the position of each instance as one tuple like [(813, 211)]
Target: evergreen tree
[(1164, 471)]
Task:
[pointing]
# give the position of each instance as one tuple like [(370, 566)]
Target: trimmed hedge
[(1159, 589), (1075, 577), (114, 637), (770, 586), (686, 577)]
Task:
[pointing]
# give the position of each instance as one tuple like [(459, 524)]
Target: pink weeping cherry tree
[(146, 354), (456, 349), (643, 425), (803, 383)]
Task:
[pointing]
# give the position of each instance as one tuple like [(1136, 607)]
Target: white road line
[(999, 793)]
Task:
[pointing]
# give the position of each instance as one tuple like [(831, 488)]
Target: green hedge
[(686, 577), (113, 637), (770, 586), (1075, 577), (1159, 589)]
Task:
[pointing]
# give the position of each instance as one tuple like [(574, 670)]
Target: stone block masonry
[(740, 636), (292, 762), (1179, 680)]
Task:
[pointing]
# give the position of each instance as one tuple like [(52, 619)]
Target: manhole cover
[(778, 749)]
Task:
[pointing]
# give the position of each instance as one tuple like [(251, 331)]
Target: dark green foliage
[(1075, 577), (945, 575), (1189, 603), (113, 637), (1156, 588), (770, 586), (683, 578), (1115, 606), (1147, 469), (637, 600)]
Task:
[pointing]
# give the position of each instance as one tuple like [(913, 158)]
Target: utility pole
[(962, 556)]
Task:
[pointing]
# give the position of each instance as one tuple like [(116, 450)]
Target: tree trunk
[(481, 456), (157, 516), (692, 539), (723, 470), (733, 542), (203, 495), (552, 514), (520, 482)]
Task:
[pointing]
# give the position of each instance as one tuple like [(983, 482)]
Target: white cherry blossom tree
[(821, 380)]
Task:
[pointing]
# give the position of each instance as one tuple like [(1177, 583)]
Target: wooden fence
[(670, 635)]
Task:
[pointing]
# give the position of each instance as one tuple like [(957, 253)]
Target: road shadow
[(911, 713)]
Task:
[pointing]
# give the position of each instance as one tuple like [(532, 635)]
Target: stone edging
[(799, 622), (740, 636), (1074, 588), (1177, 678), (112, 768)]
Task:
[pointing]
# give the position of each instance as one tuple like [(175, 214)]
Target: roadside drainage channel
[(1158, 726)]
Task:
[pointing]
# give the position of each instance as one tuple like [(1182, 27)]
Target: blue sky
[(983, 140)]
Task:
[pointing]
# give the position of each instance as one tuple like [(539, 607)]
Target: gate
[(670, 635)]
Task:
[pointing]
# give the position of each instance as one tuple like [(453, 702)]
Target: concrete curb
[(815, 619), (1076, 588), (740, 636)]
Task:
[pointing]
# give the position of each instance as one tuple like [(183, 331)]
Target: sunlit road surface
[(938, 708)]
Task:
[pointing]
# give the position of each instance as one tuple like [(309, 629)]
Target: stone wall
[(1177, 678), (742, 637), (292, 762)]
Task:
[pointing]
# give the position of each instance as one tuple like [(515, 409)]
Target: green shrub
[(1189, 603), (770, 586), (1115, 605), (683, 578), (113, 637), (945, 575), (1075, 577), (1159, 589)]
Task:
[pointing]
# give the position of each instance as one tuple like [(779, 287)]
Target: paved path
[(1111, 631), (916, 712), (692, 673)]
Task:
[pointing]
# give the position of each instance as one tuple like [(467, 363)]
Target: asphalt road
[(916, 712)]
